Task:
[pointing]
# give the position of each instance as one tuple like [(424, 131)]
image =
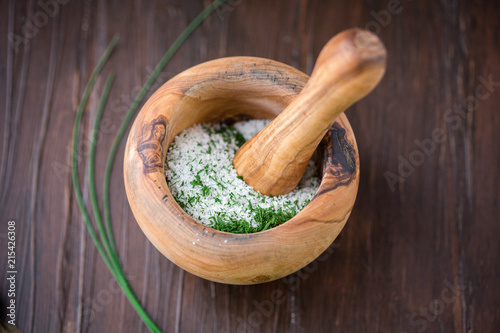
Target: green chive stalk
[(111, 262), (104, 240)]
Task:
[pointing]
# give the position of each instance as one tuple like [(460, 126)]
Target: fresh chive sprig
[(104, 239)]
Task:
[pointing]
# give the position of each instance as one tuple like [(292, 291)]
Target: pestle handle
[(349, 66)]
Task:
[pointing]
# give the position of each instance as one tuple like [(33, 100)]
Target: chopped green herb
[(200, 159), (205, 190)]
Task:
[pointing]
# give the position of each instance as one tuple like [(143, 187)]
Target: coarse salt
[(202, 179)]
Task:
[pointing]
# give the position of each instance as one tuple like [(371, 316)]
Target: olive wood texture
[(230, 89), (350, 66)]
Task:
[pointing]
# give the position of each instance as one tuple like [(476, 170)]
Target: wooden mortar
[(228, 90)]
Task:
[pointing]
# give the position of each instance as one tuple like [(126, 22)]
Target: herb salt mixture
[(203, 181)]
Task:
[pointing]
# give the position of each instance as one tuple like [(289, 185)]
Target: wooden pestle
[(349, 66)]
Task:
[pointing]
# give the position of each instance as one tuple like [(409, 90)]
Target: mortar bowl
[(228, 90)]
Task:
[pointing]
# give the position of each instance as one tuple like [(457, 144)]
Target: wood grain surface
[(420, 252)]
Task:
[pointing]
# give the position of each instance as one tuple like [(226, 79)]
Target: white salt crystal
[(201, 177)]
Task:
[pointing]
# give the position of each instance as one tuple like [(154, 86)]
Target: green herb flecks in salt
[(201, 177)]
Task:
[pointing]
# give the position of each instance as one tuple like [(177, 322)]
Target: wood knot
[(150, 145), (260, 279)]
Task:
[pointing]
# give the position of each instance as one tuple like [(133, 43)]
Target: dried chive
[(216, 195)]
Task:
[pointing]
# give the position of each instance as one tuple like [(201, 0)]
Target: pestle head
[(349, 66)]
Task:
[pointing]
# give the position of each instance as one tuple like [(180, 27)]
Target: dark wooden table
[(421, 250)]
